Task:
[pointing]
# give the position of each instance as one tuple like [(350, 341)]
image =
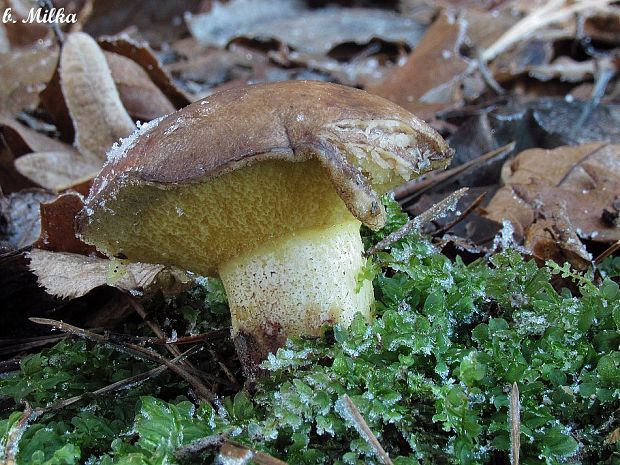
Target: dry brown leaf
[(21, 139), (10, 179), (58, 228), (52, 100), (99, 117), (23, 74), (157, 21), (585, 177), (69, 275), (554, 238), (315, 32), (430, 79), (140, 96), (211, 67), (225, 21), (604, 26), (20, 223), (21, 33), (57, 171), (141, 53)]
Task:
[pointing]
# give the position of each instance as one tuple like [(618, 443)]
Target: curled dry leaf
[(20, 32), (211, 67), (10, 179), (432, 76), (588, 175), (44, 161), (70, 275), (23, 74), (141, 53), (227, 21), (20, 223), (140, 96), (554, 237), (316, 31), (58, 228), (57, 171), (99, 117), (21, 139)]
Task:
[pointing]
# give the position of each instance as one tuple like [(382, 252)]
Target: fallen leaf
[(19, 32), (23, 74), (141, 53), (553, 237), (157, 21), (604, 26), (538, 180), (21, 139), (140, 96), (211, 67), (431, 78), (318, 32), (70, 275), (98, 114), (58, 228), (53, 101), (57, 171), (545, 123), (10, 179), (226, 21), (20, 223)]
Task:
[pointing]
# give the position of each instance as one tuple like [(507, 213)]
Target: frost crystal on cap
[(119, 150)]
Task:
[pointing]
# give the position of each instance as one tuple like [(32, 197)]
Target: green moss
[(431, 376)]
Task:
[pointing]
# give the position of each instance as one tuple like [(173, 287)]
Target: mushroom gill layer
[(199, 226)]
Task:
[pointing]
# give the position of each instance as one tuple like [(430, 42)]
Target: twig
[(487, 76), (139, 309), (140, 352), (362, 428), (221, 333), (436, 211), (471, 207), (27, 344), (606, 72), (579, 163), (11, 448), (242, 455), (515, 424), (607, 252), (198, 446), (170, 345), (414, 189), (123, 383), (224, 368), (552, 12)]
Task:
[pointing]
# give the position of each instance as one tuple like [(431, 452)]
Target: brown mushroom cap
[(364, 146)]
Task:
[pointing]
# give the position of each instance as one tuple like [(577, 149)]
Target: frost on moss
[(431, 375)]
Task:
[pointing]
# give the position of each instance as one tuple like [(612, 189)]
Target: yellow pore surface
[(197, 227)]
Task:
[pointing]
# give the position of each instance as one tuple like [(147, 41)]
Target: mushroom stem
[(295, 285)]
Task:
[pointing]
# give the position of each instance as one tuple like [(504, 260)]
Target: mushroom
[(265, 186)]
